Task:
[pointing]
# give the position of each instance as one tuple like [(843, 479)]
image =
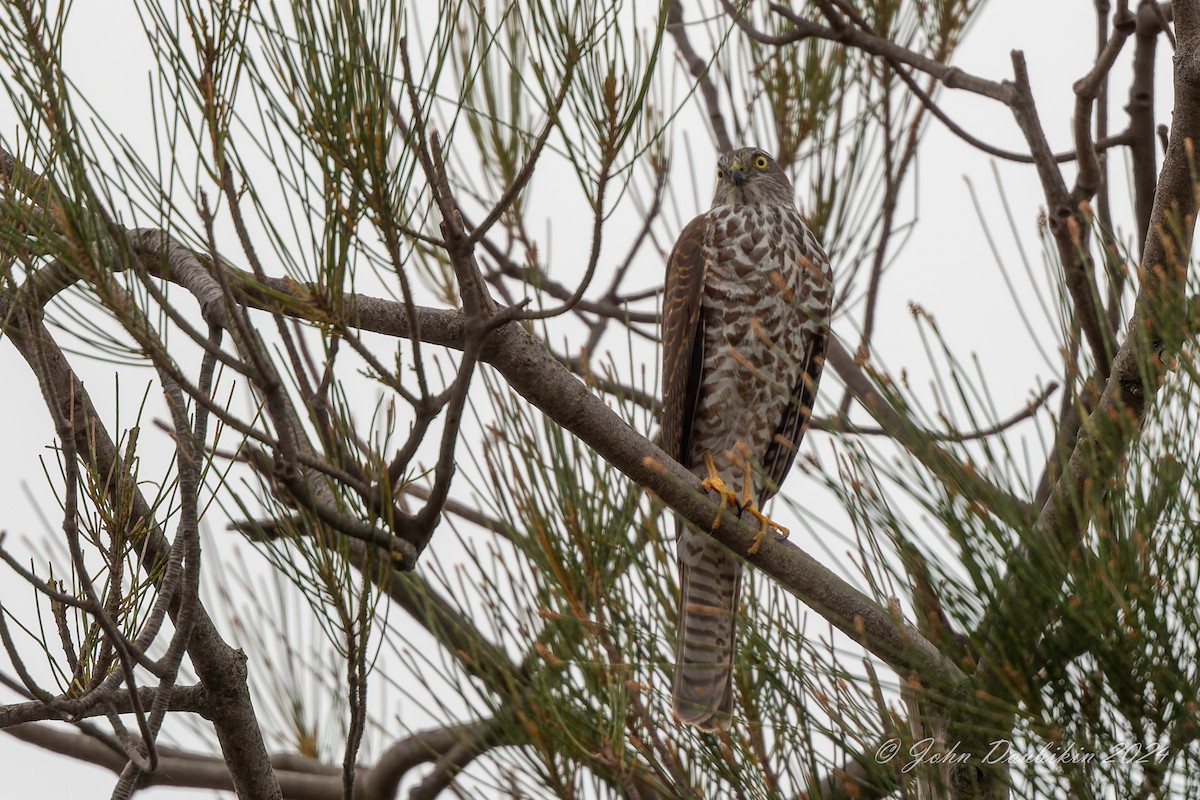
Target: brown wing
[(683, 337), (781, 453)]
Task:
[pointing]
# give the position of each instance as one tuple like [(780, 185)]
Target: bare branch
[(1102, 144), (1087, 89), (221, 669), (179, 698), (699, 69), (176, 767), (1071, 229), (1141, 120), (838, 425), (950, 77), (383, 780)]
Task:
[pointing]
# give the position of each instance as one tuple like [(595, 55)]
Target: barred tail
[(710, 577)]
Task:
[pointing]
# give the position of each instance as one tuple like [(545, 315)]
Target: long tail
[(710, 577)]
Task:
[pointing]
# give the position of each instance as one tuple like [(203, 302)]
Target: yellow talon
[(765, 524), (713, 481), (745, 505)]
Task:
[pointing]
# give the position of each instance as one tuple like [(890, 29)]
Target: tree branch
[(537, 375), (950, 77), (182, 698), (221, 669), (1143, 144), (179, 768), (699, 69), (1155, 330), (1071, 229)]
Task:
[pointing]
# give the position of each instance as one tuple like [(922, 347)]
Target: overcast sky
[(944, 266)]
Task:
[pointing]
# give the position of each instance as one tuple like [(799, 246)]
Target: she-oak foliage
[(383, 285)]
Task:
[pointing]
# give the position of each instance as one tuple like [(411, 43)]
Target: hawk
[(745, 321)]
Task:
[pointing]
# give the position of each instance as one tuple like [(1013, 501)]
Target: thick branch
[(384, 778), (538, 376), (178, 768), (1140, 108), (182, 698)]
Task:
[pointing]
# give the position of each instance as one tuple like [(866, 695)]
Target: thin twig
[(839, 425), (698, 67)]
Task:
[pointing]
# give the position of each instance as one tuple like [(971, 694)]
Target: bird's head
[(750, 175)]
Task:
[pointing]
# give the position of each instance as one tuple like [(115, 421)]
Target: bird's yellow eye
[(720, 174), (760, 162)]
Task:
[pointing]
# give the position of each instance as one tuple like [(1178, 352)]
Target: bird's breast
[(767, 289), (766, 266)]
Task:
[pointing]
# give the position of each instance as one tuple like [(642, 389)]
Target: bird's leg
[(713, 481), (747, 507)]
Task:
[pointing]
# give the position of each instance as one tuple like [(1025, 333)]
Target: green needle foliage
[(388, 519)]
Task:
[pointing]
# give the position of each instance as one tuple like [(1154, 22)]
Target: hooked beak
[(737, 175)]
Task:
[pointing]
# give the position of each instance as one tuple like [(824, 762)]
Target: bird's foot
[(729, 498), (746, 506), (765, 524)]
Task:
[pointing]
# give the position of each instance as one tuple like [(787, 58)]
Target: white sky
[(946, 265)]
